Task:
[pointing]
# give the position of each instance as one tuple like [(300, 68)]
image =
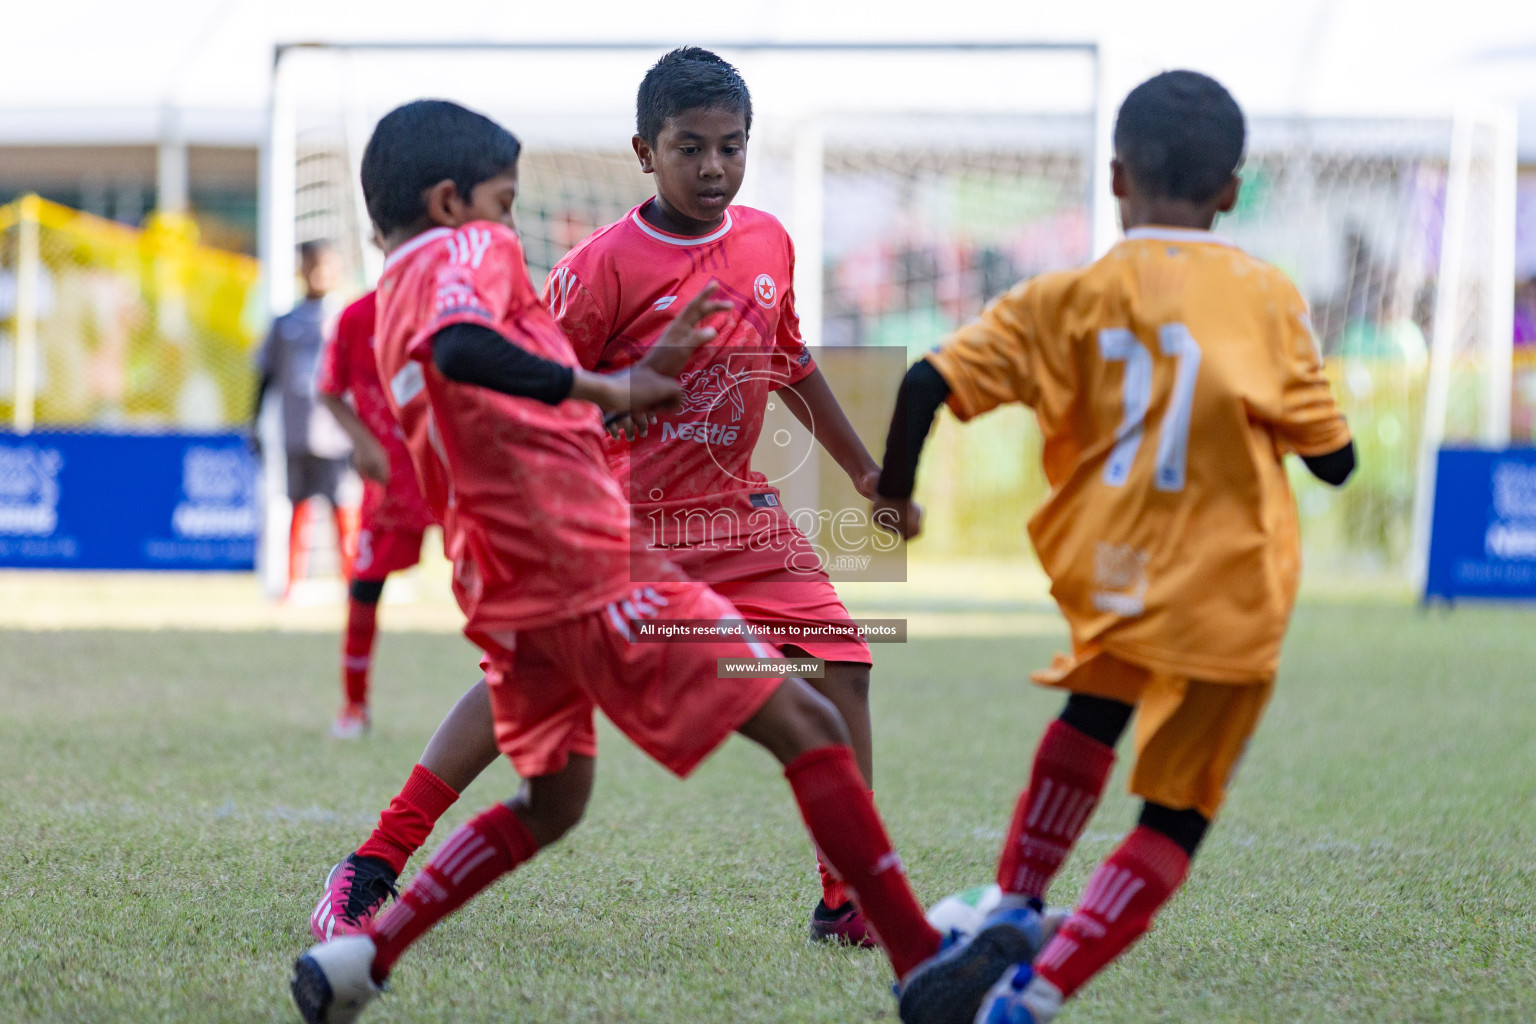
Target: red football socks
[(833, 892), (348, 520), (479, 852), (843, 823), (1116, 908), (1065, 784), (298, 542), (408, 820), (357, 649)]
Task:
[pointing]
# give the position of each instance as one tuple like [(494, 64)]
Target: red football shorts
[(766, 593), (381, 552), (666, 697)]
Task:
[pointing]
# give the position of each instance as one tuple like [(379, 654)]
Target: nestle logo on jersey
[(701, 431)]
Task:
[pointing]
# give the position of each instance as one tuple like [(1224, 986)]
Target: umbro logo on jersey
[(665, 301), (765, 291)]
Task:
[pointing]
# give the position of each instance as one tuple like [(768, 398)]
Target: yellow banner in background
[(120, 327)]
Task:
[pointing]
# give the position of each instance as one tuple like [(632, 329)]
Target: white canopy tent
[(94, 71)]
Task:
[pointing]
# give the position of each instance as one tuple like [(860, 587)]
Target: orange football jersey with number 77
[(1169, 378)]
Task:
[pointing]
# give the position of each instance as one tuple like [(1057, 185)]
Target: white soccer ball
[(964, 911)]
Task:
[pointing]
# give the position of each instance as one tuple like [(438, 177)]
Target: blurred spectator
[(1525, 312), (315, 446)]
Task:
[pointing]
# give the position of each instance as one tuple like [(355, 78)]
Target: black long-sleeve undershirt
[(1334, 467), (924, 389), (474, 354)]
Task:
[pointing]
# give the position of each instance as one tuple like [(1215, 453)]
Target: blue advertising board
[(127, 501), (1483, 535)]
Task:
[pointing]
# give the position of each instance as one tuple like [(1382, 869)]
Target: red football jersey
[(535, 525), (348, 367), (690, 479)]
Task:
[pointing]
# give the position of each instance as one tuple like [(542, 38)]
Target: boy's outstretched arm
[(923, 390), (1334, 467), (473, 354), (818, 410)]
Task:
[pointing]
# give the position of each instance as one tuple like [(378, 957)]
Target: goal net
[(919, 183)]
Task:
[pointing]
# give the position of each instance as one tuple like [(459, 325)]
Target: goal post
[(1470, 387)]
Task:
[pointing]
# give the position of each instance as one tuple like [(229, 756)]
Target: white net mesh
[(1354, 213)]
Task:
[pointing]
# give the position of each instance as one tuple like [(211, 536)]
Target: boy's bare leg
[(803, 730), (846, 685), (464, 744)]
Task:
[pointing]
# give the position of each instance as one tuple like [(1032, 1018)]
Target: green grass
[(169, 806)]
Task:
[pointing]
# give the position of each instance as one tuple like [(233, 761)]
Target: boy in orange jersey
[(1169, 379), (499, 422), (689, 478)]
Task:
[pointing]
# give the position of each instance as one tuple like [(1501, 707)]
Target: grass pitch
[(170, 805)]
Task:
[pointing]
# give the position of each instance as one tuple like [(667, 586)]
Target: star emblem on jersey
[(765, 291)]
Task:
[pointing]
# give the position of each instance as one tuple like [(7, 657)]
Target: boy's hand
[(638, 388), (629, 425), (683, 335), (867, 482), (372, 461), (903, 518), (665, 360)]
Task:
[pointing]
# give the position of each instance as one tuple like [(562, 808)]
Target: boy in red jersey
[(1169, 379), (394, 514), (481, 381), (689, 478)]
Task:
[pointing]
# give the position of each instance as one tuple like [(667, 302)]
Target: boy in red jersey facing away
[(498, 423), (394, 513), (1169, 379), (689, 477)]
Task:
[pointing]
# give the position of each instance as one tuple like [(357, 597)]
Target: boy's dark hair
[(688, 78), (311, 250), (420, 144), (1180, 135)]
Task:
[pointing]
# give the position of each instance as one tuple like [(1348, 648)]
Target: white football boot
[(331, 982)]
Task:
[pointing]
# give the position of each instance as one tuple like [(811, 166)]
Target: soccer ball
[(965, 911)]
